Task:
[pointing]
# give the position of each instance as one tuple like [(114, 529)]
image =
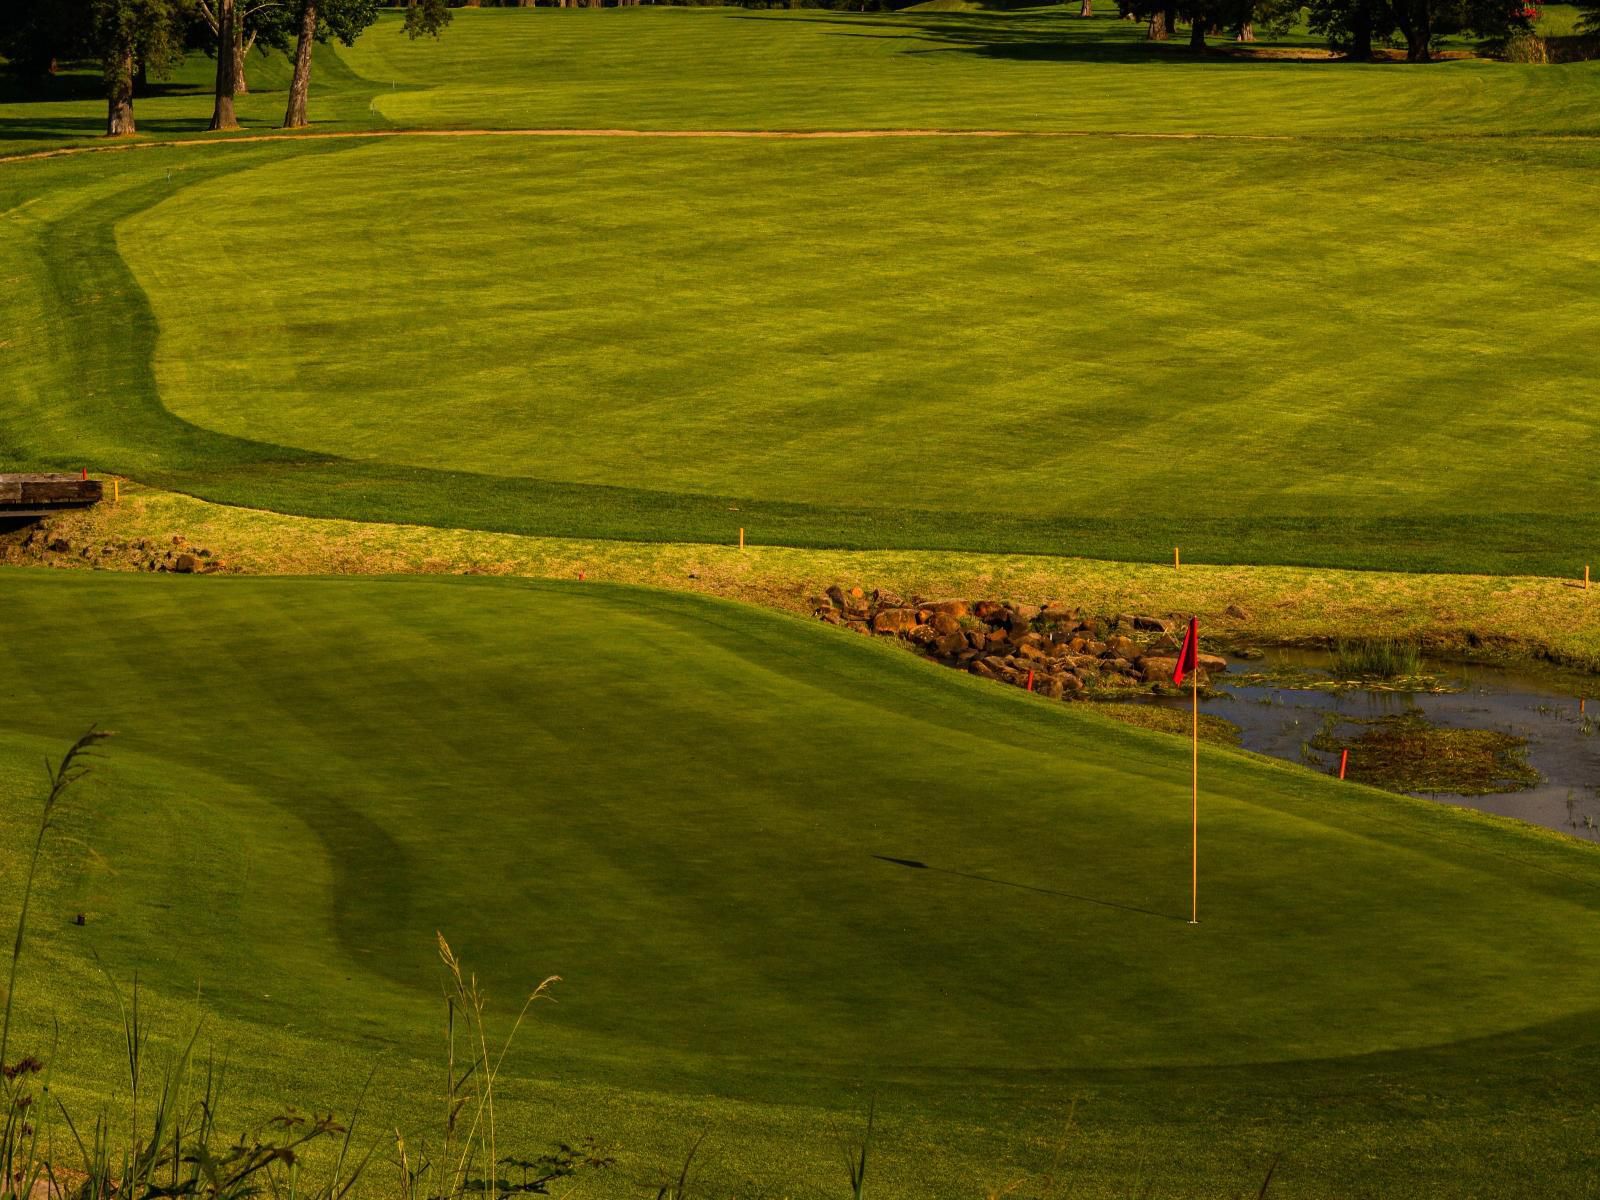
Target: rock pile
[(1066, 652), (39, 544)]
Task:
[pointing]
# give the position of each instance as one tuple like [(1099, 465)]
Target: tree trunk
[(1156, 31), (1197, 35), (1247, 31), (241, 85), (300, 82), (1361, 33), (1087, 10), (119, 94), (222, 117), (1416, 22)]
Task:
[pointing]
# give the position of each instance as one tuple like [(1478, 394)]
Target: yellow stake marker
[(1174, 558), (741, 537), (116, 491), (1586, 577)]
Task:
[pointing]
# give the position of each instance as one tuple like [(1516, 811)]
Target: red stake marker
[(86, 472), (1344, 761), (1030, 679)]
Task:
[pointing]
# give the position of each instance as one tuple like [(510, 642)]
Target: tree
[(222, 114), (319, 20), (133, 37), (1354, 25), (426, 17), (259, 22), (34, 34)]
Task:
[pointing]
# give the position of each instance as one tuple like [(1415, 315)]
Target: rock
[(944, 623), (58, 546), (836, 596), (1234, 613), (1049, 686), (951, 644), (1030, 652), (1120, 647), (1250, 653), (1057, 613), (976, 638), (1150, 624), (857, 594), (895, 620), (883, 599), (953, 608), (981, 668), (1163, 646), (1156, 669), (830, 616), (1025, 612), (923, 635), (858, 627), (990, 611), (1212, 662)]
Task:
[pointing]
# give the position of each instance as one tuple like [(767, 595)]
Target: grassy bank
[(608, 784), (1474, 615)]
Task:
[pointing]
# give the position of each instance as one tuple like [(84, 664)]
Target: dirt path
[(753, 134)]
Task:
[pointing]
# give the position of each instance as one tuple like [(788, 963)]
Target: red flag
[(1189, 658)]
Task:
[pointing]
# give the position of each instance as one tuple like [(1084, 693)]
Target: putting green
[(680, 806)]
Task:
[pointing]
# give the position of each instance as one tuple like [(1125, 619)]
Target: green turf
[(1330, 350), (1034, 69), (676, 803), (639, 371)]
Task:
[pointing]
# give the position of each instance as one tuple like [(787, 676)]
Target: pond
[(1283, 701)]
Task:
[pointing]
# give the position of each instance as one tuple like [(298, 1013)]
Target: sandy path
[(754, 134)]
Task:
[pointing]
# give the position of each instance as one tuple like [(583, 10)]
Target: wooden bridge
[(41, 495)]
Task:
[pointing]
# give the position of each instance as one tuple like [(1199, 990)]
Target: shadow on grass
[(1052, 37), (917, 865)]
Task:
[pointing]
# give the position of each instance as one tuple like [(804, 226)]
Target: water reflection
[(1546, 708)]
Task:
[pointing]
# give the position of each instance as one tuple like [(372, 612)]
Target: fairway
[(312, 776), (1289, 344)]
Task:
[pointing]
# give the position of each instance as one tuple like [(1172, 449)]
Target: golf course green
[(688, 810), (991, 282)]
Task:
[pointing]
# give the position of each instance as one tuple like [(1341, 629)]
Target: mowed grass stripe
[(675, 803), (748, 334), (1043, 68)]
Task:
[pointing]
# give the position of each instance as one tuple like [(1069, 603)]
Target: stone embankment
[(1065, 652), (41, 545)]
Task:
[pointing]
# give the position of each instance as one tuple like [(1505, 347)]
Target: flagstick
[(1194, 801)]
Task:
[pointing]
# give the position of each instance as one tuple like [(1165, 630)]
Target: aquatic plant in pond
[(1385, 659)]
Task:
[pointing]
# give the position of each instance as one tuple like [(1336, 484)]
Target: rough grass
[(314, 775), (1456, 614), (1215, 730)]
